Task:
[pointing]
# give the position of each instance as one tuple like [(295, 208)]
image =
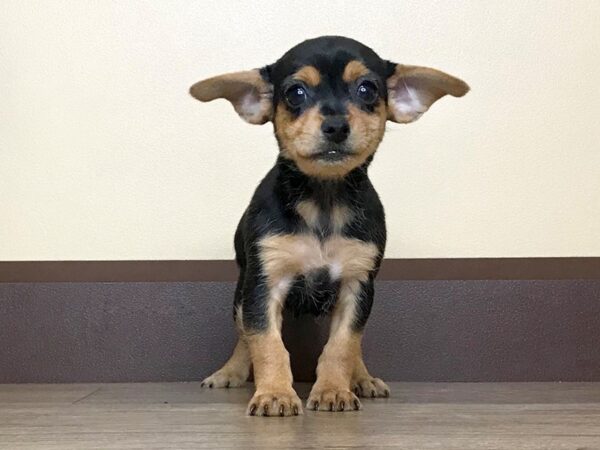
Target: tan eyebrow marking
[(309, 74), (354, 69)]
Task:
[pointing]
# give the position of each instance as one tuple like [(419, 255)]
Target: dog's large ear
[(249, 92), (412, 90)]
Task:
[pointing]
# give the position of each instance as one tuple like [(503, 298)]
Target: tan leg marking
[(274, 394), (333, 388), (235, 371)]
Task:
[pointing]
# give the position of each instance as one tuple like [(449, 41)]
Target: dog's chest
[(319, 247)]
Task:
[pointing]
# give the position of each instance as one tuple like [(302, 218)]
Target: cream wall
[(103, 155)]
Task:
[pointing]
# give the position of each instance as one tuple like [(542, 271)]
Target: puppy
[(313, 237)]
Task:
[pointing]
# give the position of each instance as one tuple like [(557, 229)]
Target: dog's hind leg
[(236, 370), (364, 385)]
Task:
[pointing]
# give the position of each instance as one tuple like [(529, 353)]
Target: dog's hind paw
[(371, 387), (224, 379)]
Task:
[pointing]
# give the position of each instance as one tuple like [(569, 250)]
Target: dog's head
[(329, 99)]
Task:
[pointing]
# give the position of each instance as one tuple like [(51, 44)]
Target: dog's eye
[(367, 92), (295, 96)]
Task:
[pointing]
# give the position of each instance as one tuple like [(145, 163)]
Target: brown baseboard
[(555, 268), (427, 330), (464, 319)]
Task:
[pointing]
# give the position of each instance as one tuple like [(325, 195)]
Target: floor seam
[(86, 396)]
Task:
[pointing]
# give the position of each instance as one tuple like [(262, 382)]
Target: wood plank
[(421, 416)]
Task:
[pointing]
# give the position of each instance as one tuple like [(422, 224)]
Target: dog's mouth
[(332, 155)]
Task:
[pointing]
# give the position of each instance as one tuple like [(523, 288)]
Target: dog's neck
[(294, 186)]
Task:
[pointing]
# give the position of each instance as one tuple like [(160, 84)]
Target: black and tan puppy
[(313, 236)]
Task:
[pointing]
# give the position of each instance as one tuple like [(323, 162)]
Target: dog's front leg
[(274, 394), (337, 364)]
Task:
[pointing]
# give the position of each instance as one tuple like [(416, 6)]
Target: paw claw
[(275, 404), (332, 400)]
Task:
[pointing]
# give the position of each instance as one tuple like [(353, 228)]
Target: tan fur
[(325, 170), (309, 74), (235, 371), (412, 90), (271, 361), (340, 216), (239, 322), (309, 211), (250, 95), (286, 256), (272, 376), (299, 137), (353, 71), (364, 385), (337, 363), (367, 129)]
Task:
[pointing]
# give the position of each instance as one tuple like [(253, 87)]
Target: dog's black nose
[(335, 128)]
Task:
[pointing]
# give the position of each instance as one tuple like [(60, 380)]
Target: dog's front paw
[(332, 400), (225, 379), (284, 403), (371, 387)]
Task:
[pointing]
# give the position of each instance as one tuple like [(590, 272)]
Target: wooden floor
[(184, 416)]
